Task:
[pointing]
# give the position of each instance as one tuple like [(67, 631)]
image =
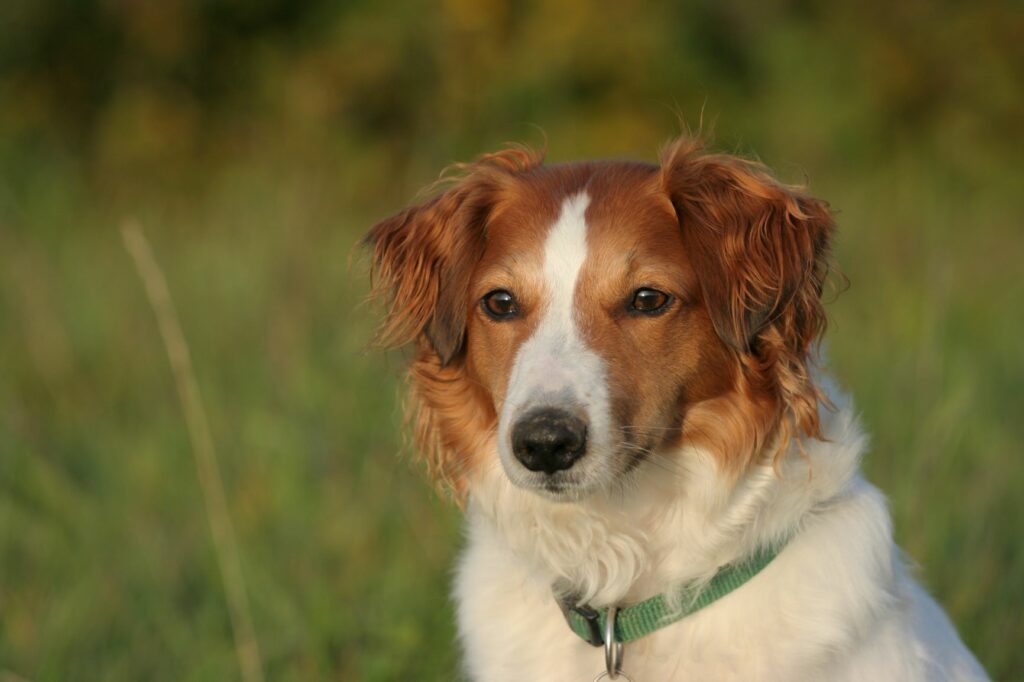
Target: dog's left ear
[(761, 247)]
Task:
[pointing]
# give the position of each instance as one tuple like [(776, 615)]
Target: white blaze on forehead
[(555, 367), (564, 253)]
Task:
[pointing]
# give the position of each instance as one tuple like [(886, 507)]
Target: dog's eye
[(500, 305), (649, 301)]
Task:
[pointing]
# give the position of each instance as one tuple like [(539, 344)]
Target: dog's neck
[(678, 518)]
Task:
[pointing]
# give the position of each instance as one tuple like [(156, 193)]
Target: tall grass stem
[(205, 456)]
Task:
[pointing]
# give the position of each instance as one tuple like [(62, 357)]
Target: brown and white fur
[(700, 430)]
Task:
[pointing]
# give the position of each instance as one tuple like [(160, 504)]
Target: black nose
[(549, 440)]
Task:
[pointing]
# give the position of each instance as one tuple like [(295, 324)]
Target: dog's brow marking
[(564, 252), (556, 360)]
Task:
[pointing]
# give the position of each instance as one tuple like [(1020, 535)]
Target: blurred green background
[(254, 141)]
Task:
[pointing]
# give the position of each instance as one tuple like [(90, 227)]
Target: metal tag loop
[(612, 648)]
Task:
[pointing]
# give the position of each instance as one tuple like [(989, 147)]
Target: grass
[(204, 452), (107, 570)]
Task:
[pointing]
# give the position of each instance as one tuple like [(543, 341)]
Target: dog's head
[(577, 320)]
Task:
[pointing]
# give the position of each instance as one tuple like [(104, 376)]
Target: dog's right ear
[(422, 261), (423, 257)]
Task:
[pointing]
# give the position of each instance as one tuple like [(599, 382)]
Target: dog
[(616, 370)]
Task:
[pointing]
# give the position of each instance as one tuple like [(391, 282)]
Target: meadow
[(255, 146)]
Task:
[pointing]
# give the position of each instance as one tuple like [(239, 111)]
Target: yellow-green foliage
[(256, 141)]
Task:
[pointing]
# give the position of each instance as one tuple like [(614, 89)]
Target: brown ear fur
[(423, 257), (762, 251), (422, 262)]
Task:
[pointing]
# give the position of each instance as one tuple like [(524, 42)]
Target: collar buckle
[(591, 617)]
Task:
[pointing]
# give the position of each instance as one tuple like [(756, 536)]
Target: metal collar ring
[(612, 649)]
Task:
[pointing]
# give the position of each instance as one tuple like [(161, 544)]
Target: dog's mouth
[(557, 488), (560, 485)]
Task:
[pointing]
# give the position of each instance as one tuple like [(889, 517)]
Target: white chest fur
[(836, 604)]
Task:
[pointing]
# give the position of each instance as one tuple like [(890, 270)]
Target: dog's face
[(587, 330), (578, 320)]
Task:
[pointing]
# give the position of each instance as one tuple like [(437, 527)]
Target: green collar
[(643, 618)]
